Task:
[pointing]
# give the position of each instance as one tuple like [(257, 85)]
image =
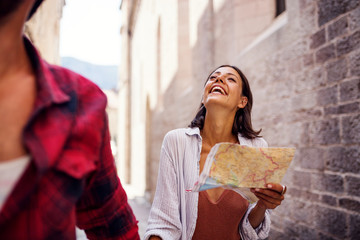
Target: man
[(56, 166)]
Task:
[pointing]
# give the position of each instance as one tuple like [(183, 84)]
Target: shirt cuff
[(247, 232)]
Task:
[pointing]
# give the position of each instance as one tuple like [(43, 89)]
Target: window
[(280, 7)]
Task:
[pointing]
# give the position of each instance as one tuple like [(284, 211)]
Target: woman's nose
[(219, 79)]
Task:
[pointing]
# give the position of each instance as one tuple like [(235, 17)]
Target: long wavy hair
[(242, 121)]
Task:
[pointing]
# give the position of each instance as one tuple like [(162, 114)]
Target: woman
[(224, 116)]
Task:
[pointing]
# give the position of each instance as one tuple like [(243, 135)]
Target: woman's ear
[(243, 102)]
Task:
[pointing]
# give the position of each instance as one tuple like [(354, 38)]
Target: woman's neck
[(218, 128)]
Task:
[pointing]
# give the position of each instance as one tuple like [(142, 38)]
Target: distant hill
[(106, 77)]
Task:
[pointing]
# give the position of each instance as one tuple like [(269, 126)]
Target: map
[(240, 167)]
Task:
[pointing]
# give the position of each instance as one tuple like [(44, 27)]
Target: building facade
[(301, 58), (43, 29)]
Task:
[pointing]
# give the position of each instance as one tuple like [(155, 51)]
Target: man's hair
[(242, 120), (8, 6), (34, 8)]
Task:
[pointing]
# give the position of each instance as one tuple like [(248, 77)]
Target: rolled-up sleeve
[(247, 232)]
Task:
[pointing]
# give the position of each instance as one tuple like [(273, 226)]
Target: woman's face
[(224, 88)]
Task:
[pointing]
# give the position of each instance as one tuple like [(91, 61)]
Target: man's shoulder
[(80, 89), (68, 78)]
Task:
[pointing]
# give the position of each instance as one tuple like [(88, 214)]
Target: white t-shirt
[(10, 173)]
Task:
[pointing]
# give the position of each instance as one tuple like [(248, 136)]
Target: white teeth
[(219, 89)]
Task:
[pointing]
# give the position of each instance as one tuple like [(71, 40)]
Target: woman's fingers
[(276, 187), (268, 202), (271, 196), (267, 192)]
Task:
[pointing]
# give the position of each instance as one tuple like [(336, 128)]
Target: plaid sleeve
[(103, 210)]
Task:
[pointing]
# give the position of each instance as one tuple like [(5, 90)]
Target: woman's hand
[(270, 197)]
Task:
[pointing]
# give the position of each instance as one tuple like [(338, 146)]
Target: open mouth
[(217, 89)]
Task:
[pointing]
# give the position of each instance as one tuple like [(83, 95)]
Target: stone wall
[(307, 93), (303, 67)]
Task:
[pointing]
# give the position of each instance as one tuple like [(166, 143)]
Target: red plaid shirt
[(71, 179)]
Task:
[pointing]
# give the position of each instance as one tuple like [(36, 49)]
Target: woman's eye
[(231, 79), (212, 77)]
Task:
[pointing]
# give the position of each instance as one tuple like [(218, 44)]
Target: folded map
[(240, 168)]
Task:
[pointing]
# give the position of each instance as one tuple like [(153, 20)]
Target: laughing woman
[(224, 116)]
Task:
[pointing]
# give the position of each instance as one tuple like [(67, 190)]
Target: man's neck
[(13, 56)]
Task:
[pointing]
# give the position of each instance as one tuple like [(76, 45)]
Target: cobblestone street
[(141, 210)]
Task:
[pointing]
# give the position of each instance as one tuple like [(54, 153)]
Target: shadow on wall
[(182, 98)]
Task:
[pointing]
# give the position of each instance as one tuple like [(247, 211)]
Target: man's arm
[(103, 211)]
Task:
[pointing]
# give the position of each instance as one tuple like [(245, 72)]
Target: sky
[(90, 31)]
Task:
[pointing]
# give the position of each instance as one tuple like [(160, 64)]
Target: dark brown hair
[(242, 120)]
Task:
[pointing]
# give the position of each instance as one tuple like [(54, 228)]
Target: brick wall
[(307, 95)]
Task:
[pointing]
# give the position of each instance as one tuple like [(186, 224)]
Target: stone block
[(301, 179), (312, 158), (324, 182), (295, 65), (306, 194), (324, 54), (324, 132), (283, 209), (336, 70), (337, 28), (354, 19), (277, 235), (327, 96), (303, 102), (354, 226), (308, 59), (308, 80), (328, 10), (318, 39), (350, 204), (277, 221), (304, 212), (323, 236), (308, 114), (351, 129), (352, 186), (350, 90), (342, 109), (348, 43), (329, 200), (343, 159), (299, 231), (306, 3), (331, 221), (354, 64)]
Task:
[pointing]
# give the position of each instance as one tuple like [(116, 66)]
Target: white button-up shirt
[(173, 213)]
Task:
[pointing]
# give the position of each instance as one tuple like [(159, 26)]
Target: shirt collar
[(48, 90), (193, 131), (196, 131)]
